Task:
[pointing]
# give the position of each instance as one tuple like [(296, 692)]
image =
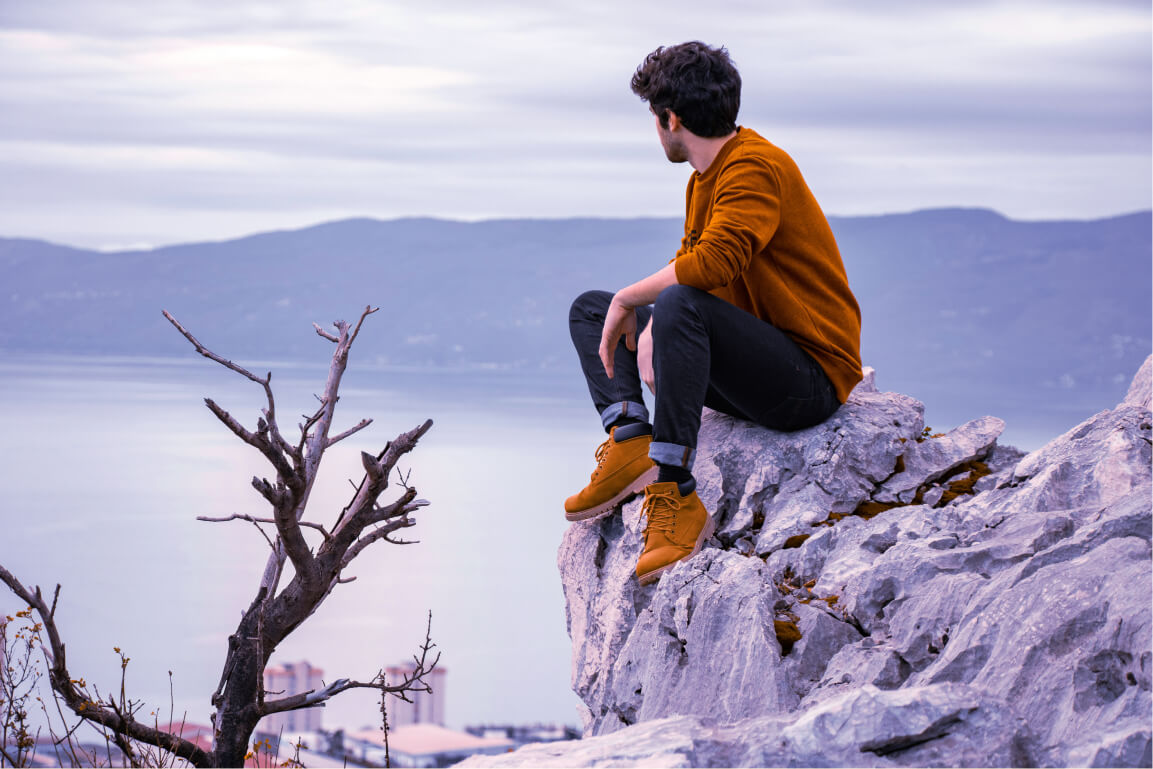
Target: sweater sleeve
[(745, 213)]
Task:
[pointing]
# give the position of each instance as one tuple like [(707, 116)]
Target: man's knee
[(590, 304), (676, 300)]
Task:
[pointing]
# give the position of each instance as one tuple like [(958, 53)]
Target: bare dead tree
[(240, 699)]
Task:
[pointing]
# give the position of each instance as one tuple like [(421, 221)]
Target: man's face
[(673, 146)]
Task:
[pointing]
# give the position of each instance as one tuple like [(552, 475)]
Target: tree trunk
[(237, 714)]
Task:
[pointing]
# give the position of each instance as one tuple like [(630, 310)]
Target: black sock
[(673, 473), (627, 427)]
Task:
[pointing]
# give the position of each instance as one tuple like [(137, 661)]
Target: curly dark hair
[(697, 82)]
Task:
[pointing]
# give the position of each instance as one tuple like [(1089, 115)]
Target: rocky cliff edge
[(877, 595)]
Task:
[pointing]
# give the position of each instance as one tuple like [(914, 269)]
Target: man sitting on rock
[(753, 317)]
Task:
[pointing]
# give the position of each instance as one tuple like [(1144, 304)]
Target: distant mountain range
[(957, 303)]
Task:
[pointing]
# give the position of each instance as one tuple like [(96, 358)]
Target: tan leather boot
[(623, 470), (676, 528)]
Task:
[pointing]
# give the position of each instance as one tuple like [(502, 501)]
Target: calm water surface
[(108, 462)]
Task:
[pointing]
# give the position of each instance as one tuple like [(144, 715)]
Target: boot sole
[(706, 532), (603, 509)]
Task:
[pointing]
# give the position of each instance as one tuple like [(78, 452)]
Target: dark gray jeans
[(706, 352)]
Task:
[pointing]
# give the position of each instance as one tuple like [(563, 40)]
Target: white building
[(285, 680), (425, 708)]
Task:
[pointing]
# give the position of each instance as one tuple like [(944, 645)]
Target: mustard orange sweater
[(755, 237)]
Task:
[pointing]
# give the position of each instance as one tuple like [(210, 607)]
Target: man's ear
[(673, 120)]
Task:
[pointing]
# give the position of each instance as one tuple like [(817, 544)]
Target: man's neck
[(703, 151)]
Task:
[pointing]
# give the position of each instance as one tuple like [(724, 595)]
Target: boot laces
[(660, 511), (601, 453)]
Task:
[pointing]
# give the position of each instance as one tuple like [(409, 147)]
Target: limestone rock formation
[(877, 595)]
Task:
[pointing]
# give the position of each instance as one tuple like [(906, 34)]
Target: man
[(752, 317)]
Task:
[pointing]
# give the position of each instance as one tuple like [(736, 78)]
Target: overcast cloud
[(126, 122)]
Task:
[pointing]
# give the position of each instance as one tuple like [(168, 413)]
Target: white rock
[(1141, 391), (1007, 628), (932, 458)]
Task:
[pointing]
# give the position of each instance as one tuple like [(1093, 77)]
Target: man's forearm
[(620, 319), (646, 290)]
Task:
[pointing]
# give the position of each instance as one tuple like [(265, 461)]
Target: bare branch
[(314, 698), (288, 525), (421, 668), (257, 440), (392, 510), (229, 663), (323, 333), (274, 495), (63, 683), (403, 444), (265, 382), (278, 439), (308, 454), (243, 517), (239, 430), (211, 355), (350, 431), (308, 699), (268, 539), (414, 681), (371, 467), (374, 536), (306, 428), (268, 427), (359, 512), (403, 506), (369, 310)]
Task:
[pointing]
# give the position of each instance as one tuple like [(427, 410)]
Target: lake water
[(108, 462)]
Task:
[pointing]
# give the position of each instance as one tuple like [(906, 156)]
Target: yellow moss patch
[(926, 433), (976, 469), (787, 634), (972, 471), (795, 541), (869, 508)]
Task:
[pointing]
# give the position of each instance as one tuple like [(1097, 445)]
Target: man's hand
[(619, 321), (645, 357)]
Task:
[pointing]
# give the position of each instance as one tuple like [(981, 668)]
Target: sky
[(128, 123)]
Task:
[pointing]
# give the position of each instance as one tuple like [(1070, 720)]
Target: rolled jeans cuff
[(624, 409), (672, 454)]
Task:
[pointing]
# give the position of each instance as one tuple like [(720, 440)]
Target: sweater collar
[(725, 151)]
